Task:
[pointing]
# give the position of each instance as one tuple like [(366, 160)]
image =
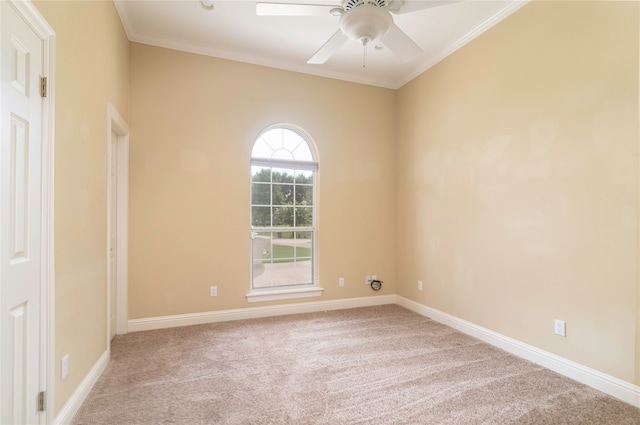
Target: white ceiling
[(233, 31)]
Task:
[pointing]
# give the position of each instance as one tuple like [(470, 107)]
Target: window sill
[(283, 294)]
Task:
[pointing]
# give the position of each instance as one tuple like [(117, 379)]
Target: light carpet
[(374, 365)]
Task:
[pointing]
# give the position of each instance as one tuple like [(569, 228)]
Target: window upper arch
[(286, 144)]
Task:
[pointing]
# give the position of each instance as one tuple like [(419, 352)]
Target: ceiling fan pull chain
[(364, 42), (364, 55)]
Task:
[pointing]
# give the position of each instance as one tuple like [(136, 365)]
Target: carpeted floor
[(374, 365)]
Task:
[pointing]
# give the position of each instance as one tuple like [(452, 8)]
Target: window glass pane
[(304, 236), (304, 177), (304, 216), (258, 271), (292, 140), (282, 175), (283, 250), (273, 138), (261, 149), (261, 194), (303, 272), (283, 216), (276, 274), (303, 153), (261, 255), (263, 274), (282, 154), (282, 194), (304, 195), (263, 242), (297, 145), (275, 259), (303, 247), (261, 216), (260, 174)]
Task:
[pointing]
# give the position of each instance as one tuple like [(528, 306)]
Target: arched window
[(283, 202)]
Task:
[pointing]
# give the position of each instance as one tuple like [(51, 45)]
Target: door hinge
[(41, 401), (43, 86)]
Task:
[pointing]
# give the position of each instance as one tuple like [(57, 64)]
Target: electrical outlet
[(213, 291), (341, 281), (367, 280), (559, 328), (419, 285), (64, 367)]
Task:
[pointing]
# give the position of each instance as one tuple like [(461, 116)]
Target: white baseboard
[(613, 386), (162, 322), (607, 384), (78, 397)]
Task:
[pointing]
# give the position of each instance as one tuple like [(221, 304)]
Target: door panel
[(18, 179), (20, 219)]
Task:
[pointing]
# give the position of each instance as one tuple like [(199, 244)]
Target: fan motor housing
[(351, 4), (366, 22)]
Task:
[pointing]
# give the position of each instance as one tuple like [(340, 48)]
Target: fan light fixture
[(366, 23), (206, 4)]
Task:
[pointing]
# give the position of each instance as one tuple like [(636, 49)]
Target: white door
[(113, 236), (20, 220)]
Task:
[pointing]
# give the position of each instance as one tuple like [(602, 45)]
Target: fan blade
[(329, 48), (290, 9), (399, 43), (405, 6)]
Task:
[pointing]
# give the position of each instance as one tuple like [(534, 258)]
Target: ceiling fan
[(363, 21)]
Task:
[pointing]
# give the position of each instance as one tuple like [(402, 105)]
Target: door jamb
[(116, 124)]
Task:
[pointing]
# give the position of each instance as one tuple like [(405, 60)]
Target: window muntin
[(281, 143), (282, 210)]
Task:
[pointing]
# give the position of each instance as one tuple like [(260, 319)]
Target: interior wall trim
[(162, 322), (81, 393), (608, 384), (503, 13)]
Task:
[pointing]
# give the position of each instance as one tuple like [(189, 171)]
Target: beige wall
[(193, 123), (92, 64), (515, 159), (517, 182)]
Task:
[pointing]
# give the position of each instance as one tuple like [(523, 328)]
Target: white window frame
[(298, 291)]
